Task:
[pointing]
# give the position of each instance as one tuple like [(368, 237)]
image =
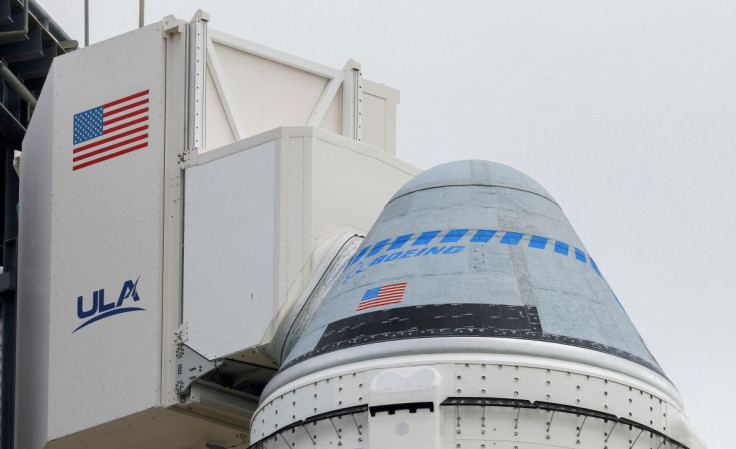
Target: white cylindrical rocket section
[(470, 316)]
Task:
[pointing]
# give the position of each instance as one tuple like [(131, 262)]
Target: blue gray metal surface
[(484, 251)]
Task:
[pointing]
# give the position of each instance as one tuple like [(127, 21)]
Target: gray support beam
[(17, 85), (23, 31)]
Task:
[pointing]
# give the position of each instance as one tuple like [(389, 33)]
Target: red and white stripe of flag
[(124, 129), (389, 294)]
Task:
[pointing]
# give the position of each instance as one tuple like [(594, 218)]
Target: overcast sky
[(624, 110)]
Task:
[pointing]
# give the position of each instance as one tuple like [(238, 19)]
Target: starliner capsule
[(471, 316)]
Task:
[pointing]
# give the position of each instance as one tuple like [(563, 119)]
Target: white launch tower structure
[(219, 248)]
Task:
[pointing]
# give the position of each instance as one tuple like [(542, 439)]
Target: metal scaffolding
[(29, 41)]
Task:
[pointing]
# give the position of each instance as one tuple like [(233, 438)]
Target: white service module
[(165, 231)]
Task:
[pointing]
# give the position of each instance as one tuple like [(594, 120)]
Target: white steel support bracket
[(352, 97), (191, 365), (197, 30), (172, 25)]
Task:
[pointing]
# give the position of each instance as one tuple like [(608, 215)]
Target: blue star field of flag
[(88, 125)]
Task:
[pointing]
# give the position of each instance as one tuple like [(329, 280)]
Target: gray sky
[(625, 111)]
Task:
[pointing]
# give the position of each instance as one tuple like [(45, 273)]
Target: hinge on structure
[(188, 158), (190, 365)]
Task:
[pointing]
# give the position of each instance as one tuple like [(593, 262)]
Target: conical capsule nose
[(477, 250)]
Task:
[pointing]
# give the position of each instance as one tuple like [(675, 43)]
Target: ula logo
[(99, 309)]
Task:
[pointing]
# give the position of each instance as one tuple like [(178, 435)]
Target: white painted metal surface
[(91, 240), (549, 404), (229, 251), (119, 225), (258, 215), (251, 89)]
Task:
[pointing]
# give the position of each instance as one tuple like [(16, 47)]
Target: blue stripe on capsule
[(512, 238), (378, 247), (483, 235), (425, 238), (561, 247), (400, 241), (360, 254), (538, 242), (454, 235), (579, 255), (595, 267)]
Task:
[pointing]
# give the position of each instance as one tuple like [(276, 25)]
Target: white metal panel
[(332, 120), (34, 272), (102, 225), (573, 390), (268, 93), (173, 222), (256, 212), (155, 428), (218, 123), (228, 250), (336, 190), (379, 115), (111, 233), (252, 88)]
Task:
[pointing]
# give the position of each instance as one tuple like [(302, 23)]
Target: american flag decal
[(110, 130), (382, 296)]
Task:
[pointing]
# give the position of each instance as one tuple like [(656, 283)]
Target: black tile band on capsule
[(449, 320)]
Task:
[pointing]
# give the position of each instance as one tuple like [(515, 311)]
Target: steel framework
[(29, 41)]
